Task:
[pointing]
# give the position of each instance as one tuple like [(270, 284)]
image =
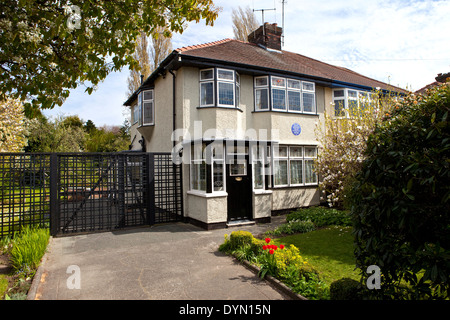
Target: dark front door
[(239, 189)]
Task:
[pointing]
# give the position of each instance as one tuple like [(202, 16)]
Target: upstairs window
[(144, 112), (219, 87), (349, 102), (289, 95)]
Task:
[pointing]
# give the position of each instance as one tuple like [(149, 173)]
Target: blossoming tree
[(343, 142)]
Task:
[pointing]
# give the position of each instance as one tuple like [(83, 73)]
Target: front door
[(239, 187)]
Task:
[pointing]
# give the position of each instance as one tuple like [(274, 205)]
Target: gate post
[(54, 203), (150, 186)]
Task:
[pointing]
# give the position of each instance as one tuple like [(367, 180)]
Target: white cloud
[(397, 41)]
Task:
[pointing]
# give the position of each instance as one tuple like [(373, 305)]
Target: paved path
[(174, 261)]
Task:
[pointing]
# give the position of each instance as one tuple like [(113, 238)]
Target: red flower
[(267, 240), (271, 251), (274, 247), (264, 247), (281, 246)]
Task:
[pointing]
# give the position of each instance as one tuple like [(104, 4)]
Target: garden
[(308, 253), (389, 168), (20, 257)]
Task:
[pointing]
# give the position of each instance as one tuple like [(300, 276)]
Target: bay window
[(144, 111), (284, 94), (219, 87), (207, 167)]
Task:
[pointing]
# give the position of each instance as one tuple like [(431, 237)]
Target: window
[(219, 87), (259, 162), (262, 93), (198, 167), (310, 174), (207, 167), (144, 112), (135, 114), (350, 102), (294, 166), (289, 95), (148, 110)]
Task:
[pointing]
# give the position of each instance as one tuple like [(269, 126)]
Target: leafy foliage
[(321, 216), (49, 47), (400, 199)]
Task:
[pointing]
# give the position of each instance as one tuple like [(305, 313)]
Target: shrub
[(321, 216), (242, 245), (400, 198), (28, 247), (345, 289)]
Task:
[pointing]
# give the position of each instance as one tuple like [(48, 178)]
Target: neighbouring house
[(241, 117), (440, 78)]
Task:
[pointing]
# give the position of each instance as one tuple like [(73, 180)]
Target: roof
[(249, 55), (235, 51)]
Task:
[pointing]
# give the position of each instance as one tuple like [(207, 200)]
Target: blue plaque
[(296, 129)]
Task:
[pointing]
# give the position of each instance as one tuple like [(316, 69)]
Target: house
[(241, 118), (440, 78)]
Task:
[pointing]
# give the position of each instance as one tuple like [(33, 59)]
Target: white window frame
[(152, 101), (296, 90), (369, 98), (309, 158), (197, 158), (215, 80), (206, 81), (313, 92), (135, 114), (291, 157), (280, 88), (227, 81), (262, 87), (271, 86)]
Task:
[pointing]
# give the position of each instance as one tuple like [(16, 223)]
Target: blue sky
[(404, 43)]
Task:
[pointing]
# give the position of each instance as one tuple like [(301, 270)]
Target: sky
[(401, 42)]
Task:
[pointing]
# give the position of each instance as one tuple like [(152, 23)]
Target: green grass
[(329, 250)]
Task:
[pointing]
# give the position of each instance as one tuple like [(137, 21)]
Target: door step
[(238, 223)]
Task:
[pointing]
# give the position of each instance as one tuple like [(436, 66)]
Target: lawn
[(329, 250)]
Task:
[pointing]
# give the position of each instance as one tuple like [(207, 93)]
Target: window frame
[(369, 99), (216, 81), (152, 101), (273, 88), (291, 157)]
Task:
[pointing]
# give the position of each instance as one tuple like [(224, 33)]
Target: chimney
[(267, 35), (442, 77)]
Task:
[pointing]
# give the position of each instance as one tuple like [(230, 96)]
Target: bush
[(321, 216), (28, 247), (242, 245), (400, 198), (345, 289)]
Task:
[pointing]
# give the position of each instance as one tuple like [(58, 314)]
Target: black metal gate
[(88, 192)]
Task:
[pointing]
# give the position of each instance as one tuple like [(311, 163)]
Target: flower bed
[(281, 262)]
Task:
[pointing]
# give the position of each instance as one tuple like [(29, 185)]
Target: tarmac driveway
[(175, 261)]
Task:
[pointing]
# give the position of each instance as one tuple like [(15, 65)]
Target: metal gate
[(88, 192)]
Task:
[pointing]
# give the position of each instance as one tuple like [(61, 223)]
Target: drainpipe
[(174, 113)]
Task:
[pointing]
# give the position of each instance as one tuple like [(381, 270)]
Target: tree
[(142, 55), (161, 47), (49, 47), (244, 23), (342, 146), (400, 200), (108, 139), (55, 136), (12, 125)]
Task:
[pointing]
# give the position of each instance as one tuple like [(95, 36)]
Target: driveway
[(175, 261)]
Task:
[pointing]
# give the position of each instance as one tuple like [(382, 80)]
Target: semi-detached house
[(241, 117)]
